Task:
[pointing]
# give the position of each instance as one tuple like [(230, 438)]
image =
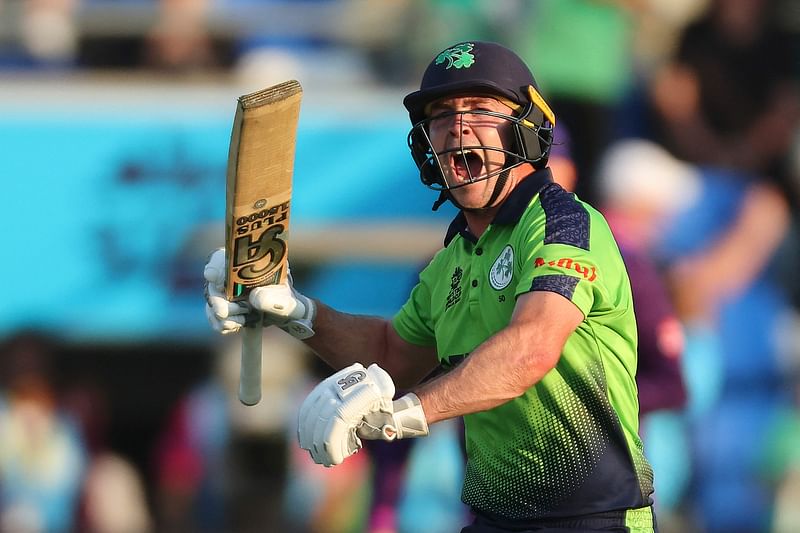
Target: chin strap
[(498, 187), (443, 197)]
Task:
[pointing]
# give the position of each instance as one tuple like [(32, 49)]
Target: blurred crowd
[(679, 119)]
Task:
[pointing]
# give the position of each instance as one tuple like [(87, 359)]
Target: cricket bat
[(257, 207)]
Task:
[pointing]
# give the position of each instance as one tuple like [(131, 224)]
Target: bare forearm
[(342, 339), (508, 363), (501, 369)]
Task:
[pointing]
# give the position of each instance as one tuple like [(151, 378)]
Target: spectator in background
[(42, 453), (715, 236), (728, 104), (730, 97), (583, 50), (180, 39), (113, 496), (49, 33), (658, 375), (222, 466), (390, 484), (190, 460), (781, 462)]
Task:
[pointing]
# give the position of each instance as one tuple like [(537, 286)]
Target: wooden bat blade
[(258, 205), (259, 187)]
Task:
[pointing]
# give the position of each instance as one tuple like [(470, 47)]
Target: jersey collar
[(511, 210)]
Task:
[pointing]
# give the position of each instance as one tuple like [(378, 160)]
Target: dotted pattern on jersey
[(527, 477), (567, 220), (643, 468)]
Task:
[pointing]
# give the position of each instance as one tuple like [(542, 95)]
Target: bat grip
[(250, 372)]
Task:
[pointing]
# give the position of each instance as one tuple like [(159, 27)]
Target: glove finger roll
[(308, 415), (320, 423)]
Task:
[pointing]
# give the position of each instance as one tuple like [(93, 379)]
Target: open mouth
[(467, 164)]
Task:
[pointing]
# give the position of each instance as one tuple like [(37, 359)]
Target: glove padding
[(355, 403), (278, 304)]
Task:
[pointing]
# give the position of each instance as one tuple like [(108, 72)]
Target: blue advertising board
[(101, 214)]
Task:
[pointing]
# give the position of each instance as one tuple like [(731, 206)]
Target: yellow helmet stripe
[(539, 102)]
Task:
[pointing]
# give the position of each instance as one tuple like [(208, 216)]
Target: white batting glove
[(333, 416), (330, 415), (278, 304), (224, 316), (286, 308)]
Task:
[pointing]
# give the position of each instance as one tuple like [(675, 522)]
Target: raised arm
[(340, 339)]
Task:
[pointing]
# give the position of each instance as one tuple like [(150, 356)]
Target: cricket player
[(527, 306)]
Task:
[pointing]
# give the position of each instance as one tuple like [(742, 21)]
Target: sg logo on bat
[(258, 250), (254, 258)]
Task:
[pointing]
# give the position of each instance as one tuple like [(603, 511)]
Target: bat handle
[(250, 372)]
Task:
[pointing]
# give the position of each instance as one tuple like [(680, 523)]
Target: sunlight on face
[(469, 145)]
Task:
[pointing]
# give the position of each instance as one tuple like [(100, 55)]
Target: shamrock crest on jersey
[(503, 269), (458, 56)]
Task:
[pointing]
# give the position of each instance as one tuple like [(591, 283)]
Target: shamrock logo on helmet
[(458, 56)]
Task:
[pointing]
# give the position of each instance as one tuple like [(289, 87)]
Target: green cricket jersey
[(569, 446)]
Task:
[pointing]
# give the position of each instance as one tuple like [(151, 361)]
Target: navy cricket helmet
[(480, 68)]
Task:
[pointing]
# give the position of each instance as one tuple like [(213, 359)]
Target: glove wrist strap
[(302, 328), (409, 418)]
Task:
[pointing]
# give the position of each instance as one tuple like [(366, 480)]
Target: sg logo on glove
[(351, 379)]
